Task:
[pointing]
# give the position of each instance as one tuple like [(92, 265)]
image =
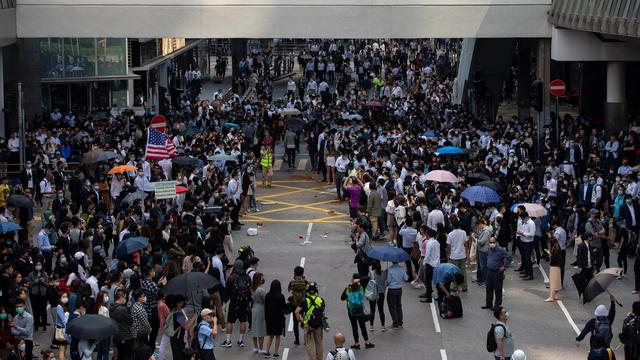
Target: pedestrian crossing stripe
[(302, 164), (277, 165)]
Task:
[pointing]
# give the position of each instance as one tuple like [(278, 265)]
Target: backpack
[(630, 334), (355, 302), (492, 344), (371, 291), (242, 288), (452, 308), (169, 328), (298, 288), (340, 354), (316, 318), (602, 329)]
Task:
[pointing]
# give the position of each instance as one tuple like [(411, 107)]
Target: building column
[(130, 92), (2, 123), (615, 107), (524, 79)]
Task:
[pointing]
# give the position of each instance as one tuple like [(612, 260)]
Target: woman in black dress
[(274, 305)]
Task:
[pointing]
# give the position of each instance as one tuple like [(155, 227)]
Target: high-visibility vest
[(312, 305), (267, 159)]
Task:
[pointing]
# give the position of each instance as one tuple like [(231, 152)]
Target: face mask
[(63, 260), (28, 166), (628, 201), (506, 315), (19, 310), (106, 299), (96, 188), (3, 316), (38, 268), (493, 245), (87, 184), (64, 300), (22, 347)]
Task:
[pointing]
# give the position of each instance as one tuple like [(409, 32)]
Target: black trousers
[(636, 273), (48, 260), (526, 249), (604, 247), (363, 271), (495, 279), (296, 329), (563, 254), (39, 304), (394, 301), (28, 349), (291, 157), (235, 212), (408, 263), (427, 280), (177, 345), (355, 322), (125, 349), (380, 304)]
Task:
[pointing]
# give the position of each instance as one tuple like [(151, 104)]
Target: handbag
[(415, 251), (59, 335)]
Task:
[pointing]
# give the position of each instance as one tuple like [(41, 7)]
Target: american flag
[(159, 146)]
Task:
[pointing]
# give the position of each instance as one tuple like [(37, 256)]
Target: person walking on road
[(310, 312), (354, 296), (395, 278), (503, 335), (630, 335), (600, 326), (298, 289), (497, 260), (290, 147), (340, 352)]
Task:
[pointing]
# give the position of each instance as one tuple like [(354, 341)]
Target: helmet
[(312, 288), (518, 355)]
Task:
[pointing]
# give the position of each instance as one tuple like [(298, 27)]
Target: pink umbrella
[(374, 103), (442, 176)]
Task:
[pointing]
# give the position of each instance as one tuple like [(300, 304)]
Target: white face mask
[(493, 245), (64, 300), (22, 347)]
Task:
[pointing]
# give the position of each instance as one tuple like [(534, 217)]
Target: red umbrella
[(180, 189)]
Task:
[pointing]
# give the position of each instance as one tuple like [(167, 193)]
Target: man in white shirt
[(340, 352), (551, 184), (92, 281), (341, 171), (457, 245), (430, 261), (434, 218), (526, 230), (45, 190)]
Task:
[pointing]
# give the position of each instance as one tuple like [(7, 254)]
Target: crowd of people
[(375, 114)]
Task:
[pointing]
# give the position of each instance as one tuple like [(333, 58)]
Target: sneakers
[(240, 343), (267, 355), (384, 329), (635, 292), (370, 328), (226, 344), (369, 345)]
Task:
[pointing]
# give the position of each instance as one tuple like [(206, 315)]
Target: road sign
[(557, 87), (159, 123)]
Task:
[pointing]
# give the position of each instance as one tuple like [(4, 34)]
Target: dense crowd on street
[(450, 199)]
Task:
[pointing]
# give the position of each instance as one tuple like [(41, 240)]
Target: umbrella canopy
[(534, 210), (295, 123), (92, 327), (186, 284), (495, 186), (95, 156), (187, 161), (449, 150), (431, 133), (131, 245), (475, 178), (221, 157), (181, 189), (190, 131), (481, 194), (131, 198), (231, 125), (290, 112), (122, 169), (441, 176), (579, 282), (354, 117), (599, 283), (376, 104), (8, 226), (388, 253), (19, 201)]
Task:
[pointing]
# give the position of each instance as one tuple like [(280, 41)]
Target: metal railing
[(615, 17), (7, 4)]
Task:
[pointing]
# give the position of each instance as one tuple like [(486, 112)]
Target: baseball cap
[(593, 211), (206, 312)]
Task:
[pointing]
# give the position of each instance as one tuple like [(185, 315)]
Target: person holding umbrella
[(600, 325)]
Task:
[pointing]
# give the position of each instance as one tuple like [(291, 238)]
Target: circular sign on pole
[(158, 122), (557, 87)]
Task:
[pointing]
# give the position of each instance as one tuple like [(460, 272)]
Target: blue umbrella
[(481, 194), (8, 226), (431, 133), (131, 245), (449, 150), (388, 253)]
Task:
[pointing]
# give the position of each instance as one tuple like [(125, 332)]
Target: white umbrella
[(534, 210), (441, 176)]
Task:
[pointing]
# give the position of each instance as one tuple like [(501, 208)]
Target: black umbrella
[(295, 123), (131, 245), (19, 201), (495, 186), (599, 283), (92, 327), (475, 178), (95, 156), (186, 284), (187, 161), (579, 282), (132, 197)]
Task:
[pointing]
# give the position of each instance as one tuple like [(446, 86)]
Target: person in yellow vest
[(4, 192), (266, 161), (310, 312)]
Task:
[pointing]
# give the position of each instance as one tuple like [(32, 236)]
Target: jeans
[(527, 265), (495, 278), (481, 275), (380, 304), (382, 221), (441, 294), (339, 179), (291, 157), (355, 322), (408, 263), (394, 301)]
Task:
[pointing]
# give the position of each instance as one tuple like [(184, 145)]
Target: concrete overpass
[(284, 18)]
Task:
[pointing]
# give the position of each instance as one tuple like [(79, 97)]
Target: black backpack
[(316, 319), (242, 288), (602, 329), (492, 344), (630, 334)]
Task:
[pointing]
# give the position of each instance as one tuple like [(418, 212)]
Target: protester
[(310, 313), (354, 296), (600, 326)]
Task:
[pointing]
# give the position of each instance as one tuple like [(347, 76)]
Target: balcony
[(613, 17)]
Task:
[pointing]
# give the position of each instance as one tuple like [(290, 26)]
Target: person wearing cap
[(354, 296), (601, 314), (584, 257), (304, 312), (206, 332)]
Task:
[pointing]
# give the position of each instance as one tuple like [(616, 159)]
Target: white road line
[(306, 239), (434, 315), (290, 327), (568, 316), (443, 354), (302, 260), (544, 274), (285, 353), (302, 164)]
